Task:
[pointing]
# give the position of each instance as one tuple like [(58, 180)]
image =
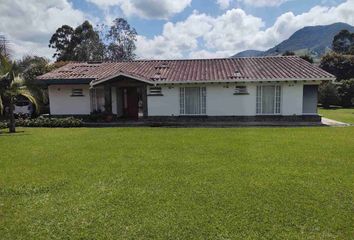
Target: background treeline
[(81, 43), (340, 62), (103, 43)]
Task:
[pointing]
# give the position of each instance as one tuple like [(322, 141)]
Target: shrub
[(341, 66), (49, 122), (3, 125), (346, 93), (328, 94)]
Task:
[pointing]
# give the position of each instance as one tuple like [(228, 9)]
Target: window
[(193, 101), (240, 90), (268, 100), (77, 92), (155, 91)]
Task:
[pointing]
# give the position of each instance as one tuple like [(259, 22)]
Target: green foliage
[(307, 58), (328, 94), (341, 66), (30, 67), (346, 93), (166, 183), (61, 42), (343, 42), (3, 125), (81, 44), (288, 53), (12, 86), (68, 122), (121, 39), (84, 43)]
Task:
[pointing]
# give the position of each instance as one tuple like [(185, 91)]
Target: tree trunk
[(12, 124)]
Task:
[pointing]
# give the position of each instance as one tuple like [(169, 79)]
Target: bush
[(346, 93), (328, 94), (49, 122), (341, 66), (3, 125)]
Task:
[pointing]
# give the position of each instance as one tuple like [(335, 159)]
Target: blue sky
[(173, 28), (151, 27)]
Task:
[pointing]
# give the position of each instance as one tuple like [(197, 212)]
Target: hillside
[(314, 40)]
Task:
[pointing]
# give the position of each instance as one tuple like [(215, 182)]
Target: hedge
[(46, 122), (3, 125)]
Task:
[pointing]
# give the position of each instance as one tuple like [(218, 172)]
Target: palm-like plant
[(12, 86)]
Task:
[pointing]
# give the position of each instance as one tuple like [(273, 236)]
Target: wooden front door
[(131, 100)]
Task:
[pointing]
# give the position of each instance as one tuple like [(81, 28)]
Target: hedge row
[(46, 122), (3, 125)]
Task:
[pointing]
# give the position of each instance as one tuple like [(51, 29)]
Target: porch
[(122, 96)]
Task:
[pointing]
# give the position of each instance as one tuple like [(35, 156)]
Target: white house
[(239, 88)]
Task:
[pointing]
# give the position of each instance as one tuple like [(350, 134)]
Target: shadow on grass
[(17, 133)]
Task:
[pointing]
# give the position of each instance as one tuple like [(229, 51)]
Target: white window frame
[(182, 101), (277, 100)]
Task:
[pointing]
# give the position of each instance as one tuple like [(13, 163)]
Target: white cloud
[(30, 24), (264, 3), (176, 39), (152, 9), (225, 4), (201, 35)]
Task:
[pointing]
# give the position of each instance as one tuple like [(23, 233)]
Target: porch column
[(108, 99), (93, 100), (145, 101)]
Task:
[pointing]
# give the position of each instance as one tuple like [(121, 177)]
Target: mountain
[(249, 53), (314, 40)]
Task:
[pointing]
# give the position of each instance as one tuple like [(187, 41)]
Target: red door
[(131, 100)]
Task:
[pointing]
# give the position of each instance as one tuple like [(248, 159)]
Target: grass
[(345, 115), (165, 183)]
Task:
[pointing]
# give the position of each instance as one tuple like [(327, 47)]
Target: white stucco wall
[(291, 102), (62, 103), (166, 105), (221, 100)]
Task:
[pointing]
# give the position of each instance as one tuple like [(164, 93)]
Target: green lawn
[(166, 183), (340, 114)]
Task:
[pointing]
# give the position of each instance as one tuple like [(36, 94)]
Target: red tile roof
[(203, 70)]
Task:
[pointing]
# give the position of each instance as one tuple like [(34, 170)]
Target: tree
[(288, 53), (328, 94), (346, 93), (81, 44), (341, 66), (4, 47), (307, 58), (86, 44), (12, 86), (30, 67), (121, 38), (343, 42), (61, 41)]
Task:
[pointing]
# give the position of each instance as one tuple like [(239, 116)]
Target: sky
[(172, 29)]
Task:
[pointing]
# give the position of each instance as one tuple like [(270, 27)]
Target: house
[(282, 88)]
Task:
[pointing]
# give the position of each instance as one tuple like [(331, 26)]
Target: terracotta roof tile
[(174, 71)]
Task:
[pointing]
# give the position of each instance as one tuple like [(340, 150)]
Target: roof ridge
[(185, 59)]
